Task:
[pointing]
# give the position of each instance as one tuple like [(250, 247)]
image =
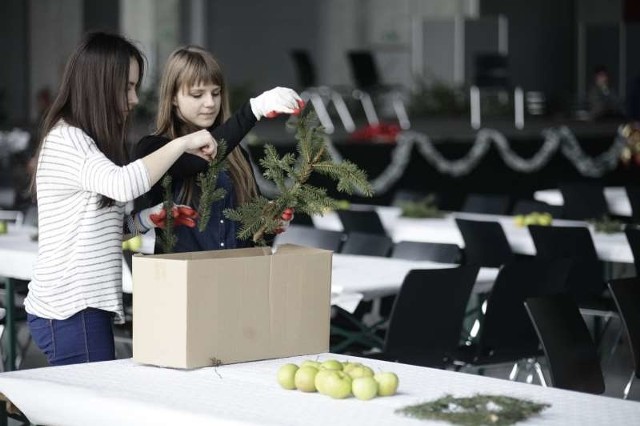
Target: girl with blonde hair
[(194, 96)]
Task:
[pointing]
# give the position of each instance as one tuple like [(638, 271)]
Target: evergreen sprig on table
[(480, 409), (168, 238), (207, 181), (290, 174)]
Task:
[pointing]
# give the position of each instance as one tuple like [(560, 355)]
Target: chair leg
[(518, 107), (474, 101), (540, 374), (321, 110), (343, 112), (513, 376), (367, 105), (401, 112), (627, 388)]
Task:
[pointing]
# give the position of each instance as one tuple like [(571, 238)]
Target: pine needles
[(207, 181), (290, 174), (168, 238)]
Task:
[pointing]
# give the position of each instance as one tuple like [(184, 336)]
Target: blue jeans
[(85, 337)]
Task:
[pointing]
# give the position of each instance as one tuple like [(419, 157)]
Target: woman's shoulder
[(63, 133)]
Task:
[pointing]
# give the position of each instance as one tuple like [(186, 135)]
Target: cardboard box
[(203, 308)]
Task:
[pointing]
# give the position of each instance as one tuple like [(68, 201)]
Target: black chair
[(365, 221), (531, 206), (571, 354), (305, 70), (583, 201), (311, 237), (367, 244), (626, 294), (506, 334), (586, 279), (364, 72), (435, 252), (633, 236), (486, 203), (427, 316), (485, 243), (633, 193), (491, 75)]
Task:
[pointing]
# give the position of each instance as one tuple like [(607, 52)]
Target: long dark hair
[(93, 95)]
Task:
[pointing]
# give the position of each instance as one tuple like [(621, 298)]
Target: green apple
[(387, 383), (3, 227), (519, 220), (305, 378), (337, 384), (321, 377), (310, 363), (286, 375), (364, 388), (331, 364), (135, 243), (360, 371), (545, 219), (348, 366)]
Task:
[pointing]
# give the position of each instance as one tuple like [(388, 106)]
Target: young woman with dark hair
[(194, 95), (82, 181)]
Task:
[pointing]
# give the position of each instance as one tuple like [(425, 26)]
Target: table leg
[(10, 325)]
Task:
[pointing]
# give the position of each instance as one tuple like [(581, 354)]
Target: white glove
[(276, 101)]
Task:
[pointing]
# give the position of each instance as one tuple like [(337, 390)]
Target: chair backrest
[(531, 206), (363, 69), (633, 194), (506, 327), (365, 221), (571, 354), (435, 252), (426, 319), (367, 244), (305, 71), (583, 200), (633, 236), (626, 293), (492, 70), (486, 203), (485, 243), (311, 237), (573, 242)]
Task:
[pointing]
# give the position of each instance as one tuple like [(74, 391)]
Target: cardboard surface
[(202, 308)]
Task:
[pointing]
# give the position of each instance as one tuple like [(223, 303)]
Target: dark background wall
[(541, 43), (14, 70), (294, 24)]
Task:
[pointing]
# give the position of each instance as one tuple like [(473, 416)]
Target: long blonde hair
[(187, 67)]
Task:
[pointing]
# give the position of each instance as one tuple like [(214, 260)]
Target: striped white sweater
[(79, 261)]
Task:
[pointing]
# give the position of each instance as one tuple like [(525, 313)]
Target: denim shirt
[(220, 232)]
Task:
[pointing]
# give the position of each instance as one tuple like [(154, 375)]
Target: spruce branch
[(290, 173), (168, 238), (207, 181)]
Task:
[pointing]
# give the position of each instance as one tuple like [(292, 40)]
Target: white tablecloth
[(125, 393), (610, 247), (380, 276), (616, 197)]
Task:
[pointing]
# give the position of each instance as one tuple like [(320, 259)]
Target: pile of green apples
[(534, 218), (338, 379)]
